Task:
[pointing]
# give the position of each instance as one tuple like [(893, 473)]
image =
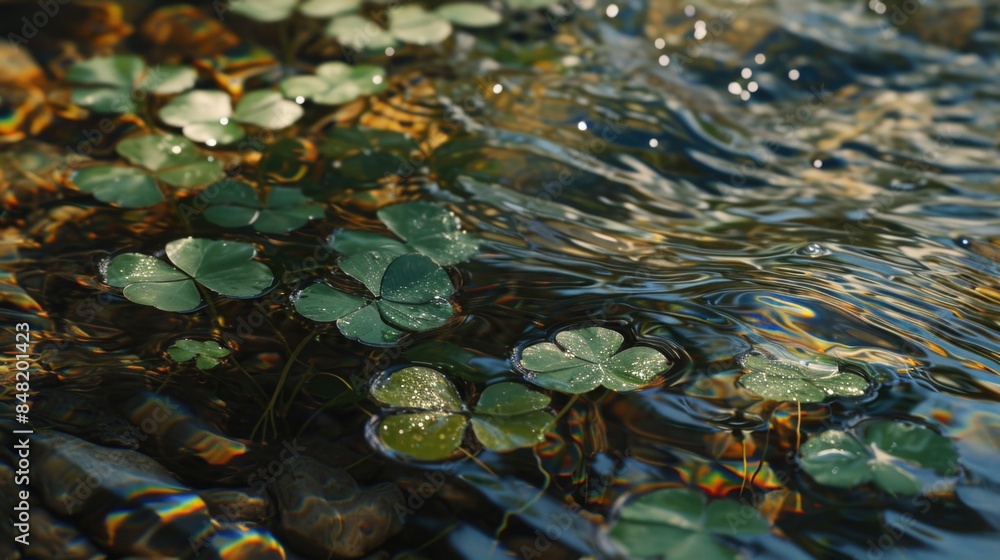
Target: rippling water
[(804, 177)]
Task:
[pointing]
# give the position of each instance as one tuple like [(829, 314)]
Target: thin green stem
[(281, 381), (534, 499), (562, 412)]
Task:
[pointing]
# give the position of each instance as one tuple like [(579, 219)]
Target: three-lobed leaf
[(104, 84), (408, 293), (206, 353), (583, 359), (171, 159), (469, 14), (335, 83), (680, 523), (426, 228), (235, 204), (224, 267), (127, 187), (431, 421), (779, 380), (203, 116)]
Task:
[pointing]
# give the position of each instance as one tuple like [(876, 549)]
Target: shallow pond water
[(800, 190)]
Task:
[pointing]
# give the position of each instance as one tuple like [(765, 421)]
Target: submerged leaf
[(843, 460), (207, 352), (510, 416), (680, 523)]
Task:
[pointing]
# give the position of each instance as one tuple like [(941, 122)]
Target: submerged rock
[(126, 502), (323, 513), (236, 505)]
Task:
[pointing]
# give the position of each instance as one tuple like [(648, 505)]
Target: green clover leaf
[(224, 267), (781, 380), (105, 84), (335, 83), (426, 228), (408, 293), (432, 422), (843, 460), (207, 352), (680, 523), (583, 359), (235, 204)]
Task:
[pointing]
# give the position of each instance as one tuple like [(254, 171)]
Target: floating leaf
[(431, 230), (427, 228), (508, 415), (224, 267), (680, 523), (843, 460), (264, 10), (417, 387), (119, 185), (530, 4), (328, 8), (413, 24), (470, 14), (350, 242), (335, 83), (208, 352), (203, 116), (427, 436), (779, 380), (407, 293), (360, 34), (105, 84), (583, 359), (235, 204), (167, 79), (267, 109), (171, 159)]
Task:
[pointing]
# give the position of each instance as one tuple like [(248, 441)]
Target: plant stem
[(281, 382)]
